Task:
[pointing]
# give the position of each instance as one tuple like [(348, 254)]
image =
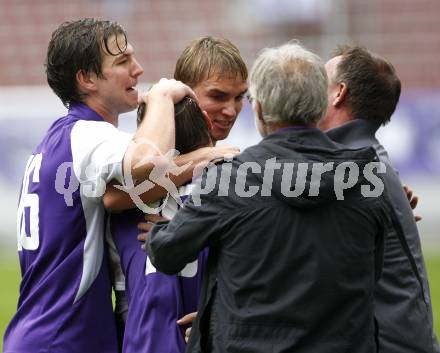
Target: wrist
[(161, 95)]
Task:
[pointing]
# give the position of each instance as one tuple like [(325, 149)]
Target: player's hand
[(217, 154), (145, 227), (176, 90), (206, 155), (187, 334), (412, 199), (186, 320)]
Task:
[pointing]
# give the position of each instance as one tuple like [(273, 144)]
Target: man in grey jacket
[(363, 93)]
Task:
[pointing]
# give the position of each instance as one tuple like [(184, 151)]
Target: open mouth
[(223, 124)]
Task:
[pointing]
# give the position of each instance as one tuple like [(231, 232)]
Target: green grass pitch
[(10, 278)]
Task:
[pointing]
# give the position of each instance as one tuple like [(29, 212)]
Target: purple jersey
[(155, 300), (65, 293)]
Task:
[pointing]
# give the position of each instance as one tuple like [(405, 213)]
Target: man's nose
[(230, 110), (138, 70)]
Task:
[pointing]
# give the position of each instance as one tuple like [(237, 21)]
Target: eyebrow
[(129, 51), (218, 91), (120, 57)]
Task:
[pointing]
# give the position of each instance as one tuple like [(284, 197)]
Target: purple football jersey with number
[(155, 300), (65, 292)]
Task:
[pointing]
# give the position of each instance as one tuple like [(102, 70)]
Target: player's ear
[(340, 94), (86, 81), (258, 111), (207, 119)]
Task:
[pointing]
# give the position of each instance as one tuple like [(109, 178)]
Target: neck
[(102, 110), (271, 128), (337, 119)]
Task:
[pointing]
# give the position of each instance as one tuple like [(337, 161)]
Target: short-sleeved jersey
[(155, 300), (65, 292)]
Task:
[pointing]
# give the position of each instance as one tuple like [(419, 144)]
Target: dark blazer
[(403, 304)]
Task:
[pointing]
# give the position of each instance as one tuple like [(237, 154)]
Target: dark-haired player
[(65, 293)]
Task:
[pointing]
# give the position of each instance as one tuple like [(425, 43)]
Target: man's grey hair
[(290, 83)]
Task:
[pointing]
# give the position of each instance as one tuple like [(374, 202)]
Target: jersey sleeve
[(98, 150), (173, 244)]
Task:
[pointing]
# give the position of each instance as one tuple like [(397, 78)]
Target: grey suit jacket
[(402, 300)]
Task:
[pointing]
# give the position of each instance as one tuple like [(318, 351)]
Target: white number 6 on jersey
[(31, 201)]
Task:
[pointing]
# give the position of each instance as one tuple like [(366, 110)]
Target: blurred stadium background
[(405, 31)]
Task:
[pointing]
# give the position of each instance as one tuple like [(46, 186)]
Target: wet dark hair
[(372, 83), (192, 130), (79, 46)]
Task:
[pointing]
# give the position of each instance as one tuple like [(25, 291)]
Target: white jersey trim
[(98, 149)]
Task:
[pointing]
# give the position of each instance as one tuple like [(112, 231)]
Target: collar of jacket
[(361, 132)]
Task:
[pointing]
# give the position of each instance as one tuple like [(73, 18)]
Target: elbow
[(163, 264), (167, 270), (117, 201), (109, 203), (161, 259), (141, 158)]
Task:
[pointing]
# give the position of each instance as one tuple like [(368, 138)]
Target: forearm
[(161, 255), (155, 135), (172, 245), (118, 200), (153, 138)]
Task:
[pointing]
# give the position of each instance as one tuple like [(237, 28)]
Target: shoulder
[(87, 135), (96, 129)]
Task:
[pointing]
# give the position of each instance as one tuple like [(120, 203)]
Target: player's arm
[(148, 146), (119, 200), (101, 153), (171, 245)]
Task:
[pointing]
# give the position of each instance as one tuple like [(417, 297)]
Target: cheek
[(212, 108), (239, 106)]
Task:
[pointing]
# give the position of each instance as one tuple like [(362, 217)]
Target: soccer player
[(65, 295), (215, 70), (363, 93), (156, 300)]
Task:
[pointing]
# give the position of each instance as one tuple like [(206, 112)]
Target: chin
[(219, 136), (129, 108)]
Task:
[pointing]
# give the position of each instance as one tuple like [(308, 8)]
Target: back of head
[(79, 46), (208, 56), (191, 127), (290, 83), (372, 83), (192, 130)]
